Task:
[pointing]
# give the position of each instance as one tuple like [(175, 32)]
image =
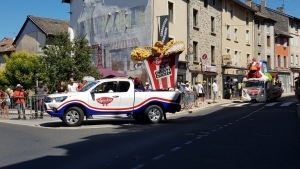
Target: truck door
[(126, 97), (104, 99)]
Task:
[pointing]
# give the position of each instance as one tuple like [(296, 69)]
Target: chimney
[(280, 9), (249, 2), (263, 3)]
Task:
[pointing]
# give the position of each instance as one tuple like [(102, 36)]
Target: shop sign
[(227, 60), (210, 68), (241, 72), (204, 57), (195, 68)]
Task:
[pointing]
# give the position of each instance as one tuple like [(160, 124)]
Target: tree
[(21, 68), (65, 59)]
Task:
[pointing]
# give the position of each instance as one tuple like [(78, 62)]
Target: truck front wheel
[(73, 116), (154, 113)]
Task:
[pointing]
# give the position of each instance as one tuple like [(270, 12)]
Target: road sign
[(204, 57)]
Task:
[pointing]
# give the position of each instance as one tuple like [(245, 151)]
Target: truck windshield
[(88, 86), (254, 83)]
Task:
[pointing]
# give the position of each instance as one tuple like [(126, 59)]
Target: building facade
[(237, 41), (116, 27), (205, 35), (294, 48), (6, 48)]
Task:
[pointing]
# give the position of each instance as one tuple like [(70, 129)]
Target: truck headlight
[(59, 99)]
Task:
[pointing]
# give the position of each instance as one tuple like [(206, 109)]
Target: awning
[(122, 44), (108, 72)]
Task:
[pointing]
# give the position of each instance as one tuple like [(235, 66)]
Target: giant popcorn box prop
[(161, 62)]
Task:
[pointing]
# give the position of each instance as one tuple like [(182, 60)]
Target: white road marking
[(287, 104), (189, 142), (271, 104), (229, 104), (158, 157), (199, 137), (242, 104), (139, 166), (176, 148), (214, 130), (256, 104), (225, 125), (220, 127)]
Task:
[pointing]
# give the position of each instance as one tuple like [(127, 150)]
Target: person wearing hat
[(138, 85), (214, 90), (40, 93), (19, 98), (148, 87)]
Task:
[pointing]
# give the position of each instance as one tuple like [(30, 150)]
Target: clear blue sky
[(14, 13)]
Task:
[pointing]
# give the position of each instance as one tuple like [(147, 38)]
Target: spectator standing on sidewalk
[(72, 87), (5, 103), (214, 90), (200, 93), (204, 91), (19, 97), (195, 90), (40, 92)]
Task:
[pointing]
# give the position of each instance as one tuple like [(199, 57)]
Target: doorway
[(208, 85)]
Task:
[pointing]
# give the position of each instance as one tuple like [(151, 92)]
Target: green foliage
[(269, 76), (65, 59), (21, 68)]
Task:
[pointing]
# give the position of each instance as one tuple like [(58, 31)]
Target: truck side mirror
[(93, 91)]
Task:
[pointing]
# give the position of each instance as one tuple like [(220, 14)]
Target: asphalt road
[(223, 136)]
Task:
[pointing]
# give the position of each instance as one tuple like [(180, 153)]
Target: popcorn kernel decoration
[(159, 50)]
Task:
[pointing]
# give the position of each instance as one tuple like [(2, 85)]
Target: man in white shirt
[(200, 92), (214, 90), (72, 87)]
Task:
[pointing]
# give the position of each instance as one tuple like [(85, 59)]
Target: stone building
[(205, 41)]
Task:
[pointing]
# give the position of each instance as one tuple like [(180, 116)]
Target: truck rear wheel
[(154, 113), (73, 116)]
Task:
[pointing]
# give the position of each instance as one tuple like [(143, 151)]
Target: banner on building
[(162, 71), (163, 34)]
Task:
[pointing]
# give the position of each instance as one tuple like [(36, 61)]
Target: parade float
[(257, 85), (161, 62)]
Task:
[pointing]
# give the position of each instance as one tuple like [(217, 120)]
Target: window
[(296, 41), (195, 17), (269, 61), (228, 31), (284, 61), (247, 18), (285, 42), (268, 28), (124, 86), (292, 40), (205, 3), (107, 87), (248, 59), (296, 27), (228, 51), (281, 61), (235, 57), (268, 41), (259, 39), (297, 59), (171, 12), (212, 51), (213, 2), (195, 50), (212, 22), (276, 61), (278, 41), (247, 37), (231, 10), (225, 5), (292, 59), (235, 34), (258, 25)]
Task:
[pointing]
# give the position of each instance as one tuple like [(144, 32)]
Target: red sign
[(162, 71), (253, 91), (105, 100), (204, 57)]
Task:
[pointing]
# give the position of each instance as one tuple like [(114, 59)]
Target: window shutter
[(276, 61)]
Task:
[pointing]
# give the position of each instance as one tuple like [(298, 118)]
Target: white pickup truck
[(112, 97)]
